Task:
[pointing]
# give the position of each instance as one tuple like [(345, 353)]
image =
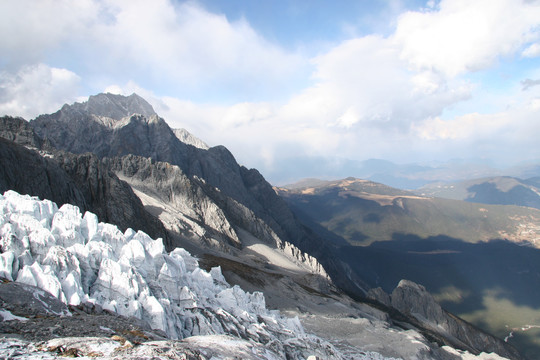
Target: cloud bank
[(431, 88)]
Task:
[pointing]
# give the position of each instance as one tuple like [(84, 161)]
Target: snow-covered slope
[(77, 259)]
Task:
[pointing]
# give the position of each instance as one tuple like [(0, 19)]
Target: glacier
[(78, 259)]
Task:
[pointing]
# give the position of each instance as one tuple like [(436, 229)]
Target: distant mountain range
[(402, 176), (501, 190), (363, 212), (113, 155)]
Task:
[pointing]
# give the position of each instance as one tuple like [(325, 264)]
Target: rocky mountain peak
[(413, 300), (187, 138), (114, 106)]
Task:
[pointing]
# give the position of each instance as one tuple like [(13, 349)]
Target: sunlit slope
[(363, 212), (455, 248)]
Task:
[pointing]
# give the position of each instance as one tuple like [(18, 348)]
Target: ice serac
[(77, 259)]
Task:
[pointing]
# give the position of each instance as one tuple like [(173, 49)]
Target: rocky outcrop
[(39, 316), (414, 301), (19, 131), (197, 210), (195, 214), (188, 138), (110, 198), (75, 179), (27, 172)]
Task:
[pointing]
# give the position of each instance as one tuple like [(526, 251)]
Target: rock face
[(196, 217), (20, 132), (113, 106), (67, 178), (191, 207), (27, 300), (187, 138), (27, 172), (415, 301)]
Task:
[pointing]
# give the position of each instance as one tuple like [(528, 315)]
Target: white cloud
[(369, 96), (469, 126), (36, 89), (363, 83), (462, 35), (532, 51), (30, 29), (507, 136), (176, 45)]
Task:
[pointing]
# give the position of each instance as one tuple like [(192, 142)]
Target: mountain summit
[(114, 106)]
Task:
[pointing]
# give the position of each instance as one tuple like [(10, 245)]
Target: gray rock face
[(170, 187), (111, 199), (113, 106), (80, 180), (29, 301), (196, 210), (187, 138), (413, 300), (26, 172), (19, 131), (44, 317), (379, 295)]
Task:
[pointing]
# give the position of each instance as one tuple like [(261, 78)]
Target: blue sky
[(280, 81)]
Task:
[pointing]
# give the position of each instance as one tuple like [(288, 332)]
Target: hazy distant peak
[(350, 184), (188, 138), (306, 183), (318, 183), (115, 107)]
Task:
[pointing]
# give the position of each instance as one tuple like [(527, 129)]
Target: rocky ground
[(37, 325)]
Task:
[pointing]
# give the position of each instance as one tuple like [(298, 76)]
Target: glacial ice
[(77, 259)]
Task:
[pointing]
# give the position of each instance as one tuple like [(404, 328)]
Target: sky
[(283, 83)]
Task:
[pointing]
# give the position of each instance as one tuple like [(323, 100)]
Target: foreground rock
[(414, 301)]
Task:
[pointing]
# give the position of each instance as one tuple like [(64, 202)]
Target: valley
[(480, 261)]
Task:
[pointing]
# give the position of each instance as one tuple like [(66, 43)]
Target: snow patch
[(8, 316)]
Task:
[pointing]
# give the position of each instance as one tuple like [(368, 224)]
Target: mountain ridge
[(501, 190), (216, 166)]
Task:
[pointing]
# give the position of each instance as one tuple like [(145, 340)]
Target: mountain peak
[(115, 106)]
